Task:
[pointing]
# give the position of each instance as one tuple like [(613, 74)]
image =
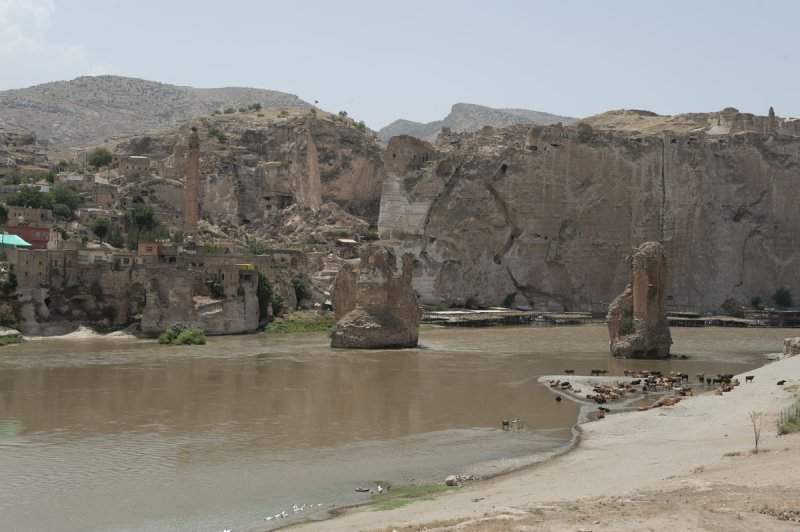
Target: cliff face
[(254, 165), (549, 213)]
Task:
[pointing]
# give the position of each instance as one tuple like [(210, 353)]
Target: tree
[(782, 297), (302, 288), (66, 196), (3, 214), (99, 157), (756, 302), (142, 217), (264, 293), (342, 114), (30, 197), (101, 227)]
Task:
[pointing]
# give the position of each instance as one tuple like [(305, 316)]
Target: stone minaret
[(192, 178)]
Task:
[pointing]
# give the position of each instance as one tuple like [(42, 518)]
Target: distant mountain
[(466, 117), (89, 109)]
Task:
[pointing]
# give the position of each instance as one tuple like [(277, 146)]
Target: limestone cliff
[(544, 213), (254, 165)]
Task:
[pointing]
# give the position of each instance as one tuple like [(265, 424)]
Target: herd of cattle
[(645, 382)]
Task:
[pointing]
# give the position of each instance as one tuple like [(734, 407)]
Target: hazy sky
[(413, 59)]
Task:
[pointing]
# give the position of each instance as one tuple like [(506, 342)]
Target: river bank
[(636, 470)]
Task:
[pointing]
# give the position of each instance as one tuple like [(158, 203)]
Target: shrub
[(215, 287), (284, 113), (190, 337), (99, 157), (264, 294), (756, 302), (782, 297), (180, 333), (370, 234), (625, 326), (229, 110), (302, 288)]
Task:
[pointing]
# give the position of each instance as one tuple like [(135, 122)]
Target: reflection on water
[(128, 434)]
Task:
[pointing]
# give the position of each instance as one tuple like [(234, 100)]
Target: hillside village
[(123, 251)]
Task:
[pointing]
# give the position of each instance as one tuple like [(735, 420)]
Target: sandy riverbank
[(688, 466)]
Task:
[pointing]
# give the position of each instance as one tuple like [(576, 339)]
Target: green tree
[(264, 293), (30, 197), (99, 157), (302, 288), (255, 247), (782, 297), (756, 302), (215, 287), (101, 227), (142, 217), (66, 196), (114, 237), (3, 214)]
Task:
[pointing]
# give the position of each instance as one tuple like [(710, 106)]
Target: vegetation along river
[(126, 434)]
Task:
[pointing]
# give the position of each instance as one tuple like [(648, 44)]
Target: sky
[(412, 59)]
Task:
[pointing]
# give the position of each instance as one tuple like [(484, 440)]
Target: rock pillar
[(637, 318), (192, 178), (374, 304)]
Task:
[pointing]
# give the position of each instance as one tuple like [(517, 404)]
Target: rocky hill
[(466, 117), (544, 216), (19, 152), (268, 174), (88, 110)]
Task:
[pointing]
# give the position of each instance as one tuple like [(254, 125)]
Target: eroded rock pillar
[(637, 318), (374, 304)]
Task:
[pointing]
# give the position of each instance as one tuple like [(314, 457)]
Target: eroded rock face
[(544, 213), (374, 304), (791, 347), (637, 318)]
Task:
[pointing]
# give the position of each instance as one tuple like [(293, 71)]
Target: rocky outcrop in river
[(374, 304), (637, 318)]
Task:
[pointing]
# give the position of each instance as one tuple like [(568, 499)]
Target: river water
[(125, 434)]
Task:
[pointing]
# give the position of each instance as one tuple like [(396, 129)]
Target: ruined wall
[(374, 304), (56, 294), (549, 212), (171, 297)]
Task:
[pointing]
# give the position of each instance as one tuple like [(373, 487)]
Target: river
[(125, 434)]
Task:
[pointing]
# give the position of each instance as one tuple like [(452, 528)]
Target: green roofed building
[(11, 241)]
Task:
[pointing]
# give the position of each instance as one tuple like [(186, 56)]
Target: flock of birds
[(297, 509)]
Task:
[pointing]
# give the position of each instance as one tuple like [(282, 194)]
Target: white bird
[(380, 489), (269, 518)]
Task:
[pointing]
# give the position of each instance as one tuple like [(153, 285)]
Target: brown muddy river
[(125, 434)]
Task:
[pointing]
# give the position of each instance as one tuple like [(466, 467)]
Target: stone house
[(77, 182), (28, 216), (131, 165)]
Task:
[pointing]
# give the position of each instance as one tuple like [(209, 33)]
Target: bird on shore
[(380, 489)]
